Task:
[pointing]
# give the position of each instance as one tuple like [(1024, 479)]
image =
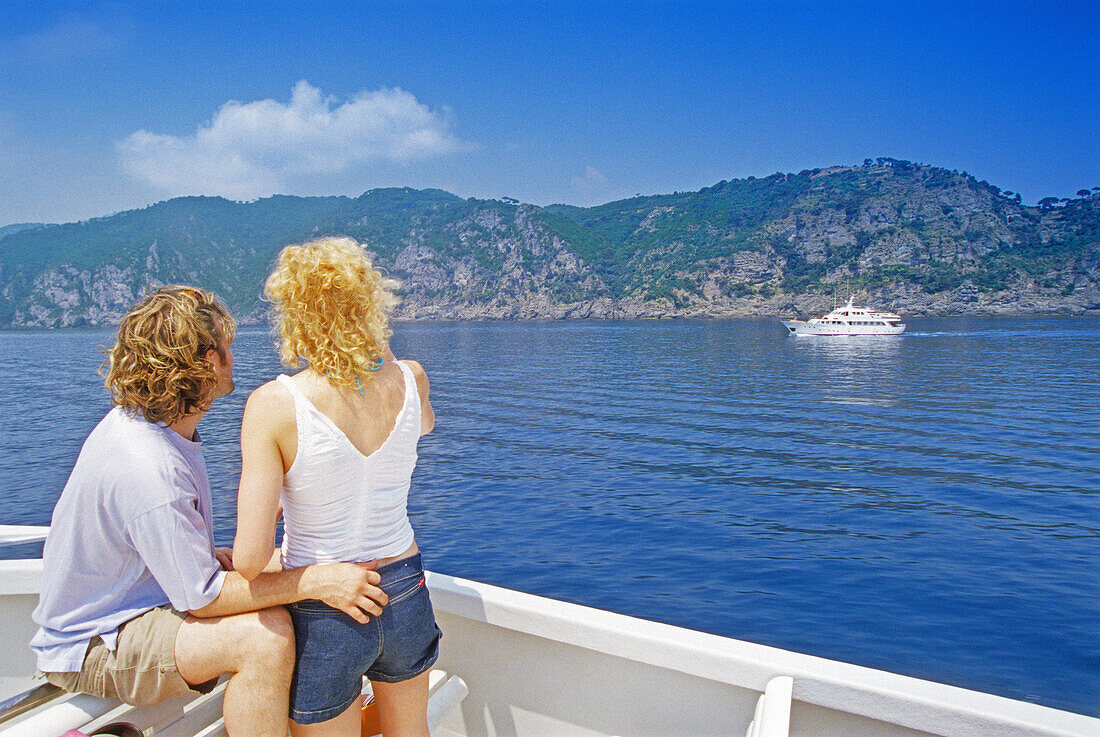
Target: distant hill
[(912, 238), (16, 227)]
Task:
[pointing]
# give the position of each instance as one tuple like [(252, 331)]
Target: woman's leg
[(345, 725), (402, 707)]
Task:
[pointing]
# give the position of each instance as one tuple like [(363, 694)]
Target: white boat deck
[(539, 667)]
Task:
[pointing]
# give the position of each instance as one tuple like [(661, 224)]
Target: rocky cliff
[(910, 238)]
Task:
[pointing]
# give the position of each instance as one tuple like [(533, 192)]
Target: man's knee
[(270, 636), (253, 641)]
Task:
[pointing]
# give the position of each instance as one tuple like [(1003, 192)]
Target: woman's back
[(366, 419), (346, 490)]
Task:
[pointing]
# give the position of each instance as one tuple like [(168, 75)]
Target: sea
[(927, 503)]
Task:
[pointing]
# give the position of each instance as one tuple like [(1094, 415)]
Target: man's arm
[(254, 582), (173, 543), (349, 587)]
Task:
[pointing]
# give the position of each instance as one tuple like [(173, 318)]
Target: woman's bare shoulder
[(414, 365), (272, 390), (419, 373), (270, 400)]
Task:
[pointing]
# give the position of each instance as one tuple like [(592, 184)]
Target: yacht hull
[(798, 327)]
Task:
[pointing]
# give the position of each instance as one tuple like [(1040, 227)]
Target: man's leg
[(257, 650)]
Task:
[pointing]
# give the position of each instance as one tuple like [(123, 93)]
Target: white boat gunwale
[(893, 699), (889, 697)]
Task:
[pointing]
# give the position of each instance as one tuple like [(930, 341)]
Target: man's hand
[(225, 557), (350, 587)]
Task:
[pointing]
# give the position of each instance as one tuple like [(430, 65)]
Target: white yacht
[(849, 320)]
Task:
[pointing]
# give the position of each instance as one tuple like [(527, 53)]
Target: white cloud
[(593, 188), (259, 148), (593, 178)]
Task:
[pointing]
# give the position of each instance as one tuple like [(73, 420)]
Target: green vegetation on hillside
[(885, 222)]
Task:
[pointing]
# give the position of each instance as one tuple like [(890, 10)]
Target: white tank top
[(338, 504)]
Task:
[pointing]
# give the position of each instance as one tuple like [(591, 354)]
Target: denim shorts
[(335, 651)]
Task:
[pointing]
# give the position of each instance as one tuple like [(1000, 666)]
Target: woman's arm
[(266, 416), (427, 414)]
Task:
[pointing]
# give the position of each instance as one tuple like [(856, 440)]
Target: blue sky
[(110, 106)]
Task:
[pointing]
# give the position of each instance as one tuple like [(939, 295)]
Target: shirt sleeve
[(172, 542)]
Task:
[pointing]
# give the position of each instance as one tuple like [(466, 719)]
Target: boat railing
[(22, 533), (773, 709), (29, 700), (48, 711)]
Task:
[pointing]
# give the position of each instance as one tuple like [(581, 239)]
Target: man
[(136, 603)]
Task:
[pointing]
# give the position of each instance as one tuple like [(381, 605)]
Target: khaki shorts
[(142, 671)]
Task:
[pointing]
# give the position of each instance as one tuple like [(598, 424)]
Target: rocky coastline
[(911, 239)]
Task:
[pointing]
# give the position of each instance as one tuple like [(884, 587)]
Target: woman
[(337, 443)]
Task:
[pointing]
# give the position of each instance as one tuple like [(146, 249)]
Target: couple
[(137, 603)]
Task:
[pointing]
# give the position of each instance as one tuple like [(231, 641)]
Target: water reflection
[(852, 369), (852, 349)]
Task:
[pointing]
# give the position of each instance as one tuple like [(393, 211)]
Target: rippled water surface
[(927, 504)]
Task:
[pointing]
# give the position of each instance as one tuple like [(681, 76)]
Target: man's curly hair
[(158, 366), (332, 308)]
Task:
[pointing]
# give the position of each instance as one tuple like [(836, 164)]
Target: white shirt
[(131, 531)]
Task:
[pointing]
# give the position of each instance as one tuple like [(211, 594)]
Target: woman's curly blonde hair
[(332, 308), (158, 365)]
